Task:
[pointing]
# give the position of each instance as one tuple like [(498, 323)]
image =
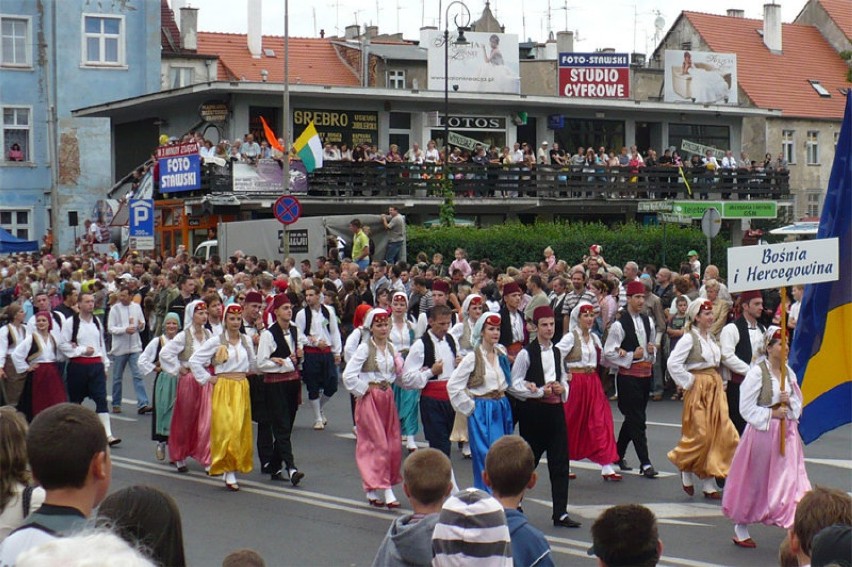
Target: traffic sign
[(141, 224), (287, 209), (711, 223), (674, 218)]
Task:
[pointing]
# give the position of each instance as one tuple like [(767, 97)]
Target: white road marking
[(122, 418), (662, 510), (839, 463), (588, 465)]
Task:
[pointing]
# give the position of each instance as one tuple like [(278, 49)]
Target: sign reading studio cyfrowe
[(350, 127)]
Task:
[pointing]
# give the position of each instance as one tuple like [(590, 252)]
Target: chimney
[(255, 41), (772, 27), (189, 28), (565, 41), (352, 32), (372, 32), (736, 13)]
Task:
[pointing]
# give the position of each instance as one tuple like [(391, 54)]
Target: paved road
[(327, 522)]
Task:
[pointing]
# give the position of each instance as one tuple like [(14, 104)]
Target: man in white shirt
[(740, 342), (543, 154), (125, 321)]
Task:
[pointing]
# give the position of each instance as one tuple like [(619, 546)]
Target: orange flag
[(270, 136)]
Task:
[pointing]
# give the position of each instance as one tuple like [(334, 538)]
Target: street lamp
[(461, 21)]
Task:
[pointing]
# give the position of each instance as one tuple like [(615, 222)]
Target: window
[(821, 90), (180, 77), (812, 148), (812, 205), (16, 222), (16, 134), (787, 148), (103, 40), (15, 42), (396, 79)]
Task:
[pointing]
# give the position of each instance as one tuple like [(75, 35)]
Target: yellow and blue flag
[(821, 354)]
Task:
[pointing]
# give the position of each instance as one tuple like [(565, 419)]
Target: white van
[(206, 249)]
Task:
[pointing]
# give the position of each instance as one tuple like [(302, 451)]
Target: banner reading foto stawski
[(487, 63), (786, 264)]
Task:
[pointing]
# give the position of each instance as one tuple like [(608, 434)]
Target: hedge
[(512, 244)]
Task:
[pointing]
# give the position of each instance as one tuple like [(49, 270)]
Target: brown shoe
[(116, 409)]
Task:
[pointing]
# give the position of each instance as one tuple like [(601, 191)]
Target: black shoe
[(264, 469), (183, 469), (144, 409), (622, 464), (296, 477), (649, 472), (566, 522), (278, 477)]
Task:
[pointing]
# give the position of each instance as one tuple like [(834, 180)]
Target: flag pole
[(785, 350), (285, 190)]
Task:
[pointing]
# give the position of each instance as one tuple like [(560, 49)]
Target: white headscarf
[(467, 301), (189, 312), (476, 334), (573, 320)]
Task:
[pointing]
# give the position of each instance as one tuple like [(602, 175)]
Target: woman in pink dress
[(369, 375), (764, 485), (587, 412)]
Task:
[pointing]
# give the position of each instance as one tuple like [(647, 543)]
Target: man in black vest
[(428, 366), (278, 356), (739, 341), (538, 381), (513, 328), (630, 345)]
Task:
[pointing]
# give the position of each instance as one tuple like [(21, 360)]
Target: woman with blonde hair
[(17, 497), (721, 308)]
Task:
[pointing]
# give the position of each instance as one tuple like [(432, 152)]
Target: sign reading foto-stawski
[(785, 264)]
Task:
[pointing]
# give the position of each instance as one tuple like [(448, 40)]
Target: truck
[(308, 238)]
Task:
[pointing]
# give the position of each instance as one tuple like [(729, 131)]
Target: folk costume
[(402, 336), (11, 335), (37, 356), (740, 343), (319, 370), (477, 388), (165, 388), (462, 332), (708, 437)]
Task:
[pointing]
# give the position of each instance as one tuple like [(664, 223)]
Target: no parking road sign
[(287, 209)]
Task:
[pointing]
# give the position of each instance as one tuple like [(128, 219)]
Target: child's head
[(682, 302), (509, 466), (437, 258), (427, 475), (548, 252), (460, 253)]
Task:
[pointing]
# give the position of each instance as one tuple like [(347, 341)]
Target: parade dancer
[(189, 431), (37, 355), (165, 384), (402, 335), (513, 331), (588, 416), (358, 335), (764, 485), (322, 353), (708, 437), (83, 345), (477, 388), (374, 367), (740, 342), (630, 347), (278, 354), (472, 308), (11, 335), (232, 357), (539, 382), (252, 325)]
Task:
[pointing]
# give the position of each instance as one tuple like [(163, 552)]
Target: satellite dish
[(659, 23)]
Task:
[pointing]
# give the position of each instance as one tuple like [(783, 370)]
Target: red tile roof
[(313, 61), (840, 11), (169, 32), (779, 81)]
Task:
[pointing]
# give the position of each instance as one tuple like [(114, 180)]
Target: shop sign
[(594, 75), (475, 122), (179, 168), (350, 127), (214, 111)]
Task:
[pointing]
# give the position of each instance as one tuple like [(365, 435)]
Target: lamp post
[(461, 21)]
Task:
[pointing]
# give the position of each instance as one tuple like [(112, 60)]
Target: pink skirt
[(378, 452), (764, 487), (588, 419), (189, 433)]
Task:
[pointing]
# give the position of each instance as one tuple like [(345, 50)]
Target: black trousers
[(282, 402), (87, 381), (543, 427), (633, 394), (732, 392), (437, 417), (260, 415)]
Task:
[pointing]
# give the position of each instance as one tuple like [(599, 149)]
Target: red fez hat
[(360, 313), (776, 336), (635, 288), (475, 300), (510, 288), (542, 312), (232, 308), (706, 306), (586, 308), (747, 296), (492, 319), (279, 300), (440, 285), (254, 297), (280, 284)]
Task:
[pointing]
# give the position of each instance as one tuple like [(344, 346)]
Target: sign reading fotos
[(350, 127), (488, 63), (700, 77), (594, 75)]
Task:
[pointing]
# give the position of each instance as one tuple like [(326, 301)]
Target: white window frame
[(28, 151), (812, 147), (182, 71), (396, 79), (788, 147), (813, 197), (14, 227), (121, 38), (28, 43)]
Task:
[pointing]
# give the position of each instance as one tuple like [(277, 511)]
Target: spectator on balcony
[(557, 156), (432, 156), (250, 151), (330, 153), (780, 163), (517, 153), (393, 155), (414, 155), (729, 161), (767, 162), (580, 157), (235, 153), (603, 157), (623, 157), (651, 158), (359, 154), (345, 153), (744, 161), (543, 154), (635, 150), (376, 155)]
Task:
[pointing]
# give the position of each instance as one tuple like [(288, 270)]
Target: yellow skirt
[(708, 437), (230, 427)]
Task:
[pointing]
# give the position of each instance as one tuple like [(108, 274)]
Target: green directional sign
[(728, 209), (695, 209)]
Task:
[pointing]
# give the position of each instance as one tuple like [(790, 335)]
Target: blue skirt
[(490, 420), (408, 407)]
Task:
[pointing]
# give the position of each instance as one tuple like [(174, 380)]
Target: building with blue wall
[(57, 56)]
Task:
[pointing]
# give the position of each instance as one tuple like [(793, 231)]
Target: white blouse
[(19, 356), (170, 355), (240, 359), (680, 370), (20, 334), (357, 381), (760, 417), (462, 398), (148, 358), (401, 337), (589, 356)]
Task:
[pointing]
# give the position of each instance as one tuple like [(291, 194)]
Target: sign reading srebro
[(728, 209)]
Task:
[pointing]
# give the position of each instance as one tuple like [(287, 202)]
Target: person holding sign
[(708, 439), (764, 484)]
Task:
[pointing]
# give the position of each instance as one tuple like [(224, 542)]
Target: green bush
[(512, 244)]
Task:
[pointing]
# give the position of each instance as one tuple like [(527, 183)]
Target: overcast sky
[(597, 23)]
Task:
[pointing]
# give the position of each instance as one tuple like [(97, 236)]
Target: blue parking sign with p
[(141, 217)]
